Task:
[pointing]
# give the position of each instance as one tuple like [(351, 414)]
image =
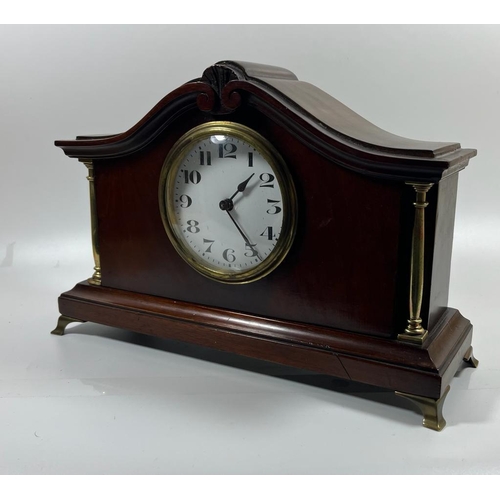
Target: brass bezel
[(168, 173)]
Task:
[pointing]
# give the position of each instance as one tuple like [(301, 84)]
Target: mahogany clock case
[(339, 300)]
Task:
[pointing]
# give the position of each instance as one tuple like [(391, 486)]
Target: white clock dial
[(228, 202)]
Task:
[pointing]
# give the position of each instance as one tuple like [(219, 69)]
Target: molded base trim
[(418, 370)]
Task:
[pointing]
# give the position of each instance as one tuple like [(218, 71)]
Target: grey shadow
[(382, 399)]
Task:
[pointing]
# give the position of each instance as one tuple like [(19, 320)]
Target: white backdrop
[(425, 82)]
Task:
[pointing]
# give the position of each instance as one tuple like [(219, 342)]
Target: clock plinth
[(423, 373), (253, 213)]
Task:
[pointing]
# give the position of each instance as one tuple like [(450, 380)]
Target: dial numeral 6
[(228, 255)]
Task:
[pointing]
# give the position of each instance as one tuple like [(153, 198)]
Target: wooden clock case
[(367, 275)]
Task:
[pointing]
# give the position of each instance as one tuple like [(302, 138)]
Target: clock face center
[(226, 205), (229, 202)]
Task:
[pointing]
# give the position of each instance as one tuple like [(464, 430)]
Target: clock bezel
[(168, 174)]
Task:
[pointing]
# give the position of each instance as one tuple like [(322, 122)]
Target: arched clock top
[(303, 110)]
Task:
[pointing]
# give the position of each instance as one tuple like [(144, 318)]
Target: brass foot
[(470, 359), (432, 409), (63, 322)]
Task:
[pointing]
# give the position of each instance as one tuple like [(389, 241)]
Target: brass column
[(96, 277), (415, 332)]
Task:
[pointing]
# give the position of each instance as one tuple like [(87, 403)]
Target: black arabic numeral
[(185, 200), (194, 176), (268, 232), (209, 243), (227, 150), (208, 157), (274, 209), (250, 247), (193, 226), (267, 180), (228, 255)]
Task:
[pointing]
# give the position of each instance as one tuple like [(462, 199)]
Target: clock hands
[(242, 186), (227, 205), (247, 241)]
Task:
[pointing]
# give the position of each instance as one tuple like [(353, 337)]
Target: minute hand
[(247, 241)]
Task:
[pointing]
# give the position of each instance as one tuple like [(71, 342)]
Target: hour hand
[(227, 204), (242, 186)]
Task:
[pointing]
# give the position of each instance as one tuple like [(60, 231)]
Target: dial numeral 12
[(227, 150)]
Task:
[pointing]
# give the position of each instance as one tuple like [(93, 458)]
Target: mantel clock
[(253, 213)]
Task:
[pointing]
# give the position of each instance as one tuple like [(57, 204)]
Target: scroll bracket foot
[(432, 409), (63, 322), (470, 359)]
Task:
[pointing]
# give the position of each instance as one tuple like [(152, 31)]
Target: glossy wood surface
[(384, 363), (351, 140), (349, 265), (334, 274), (340, 298)]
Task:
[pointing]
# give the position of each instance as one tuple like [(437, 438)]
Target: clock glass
[(228, 202)]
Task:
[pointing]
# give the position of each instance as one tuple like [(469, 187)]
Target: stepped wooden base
[(421, 373)]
